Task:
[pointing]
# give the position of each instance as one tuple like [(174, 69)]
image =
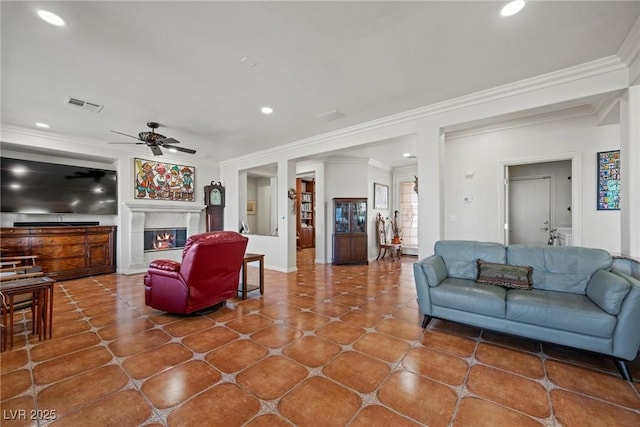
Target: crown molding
[(38, 134), (630, 48), (546, 117), (406, 170), (579, 72), (379, 165)]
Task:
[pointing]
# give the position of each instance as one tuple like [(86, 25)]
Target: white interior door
[(529, 210)]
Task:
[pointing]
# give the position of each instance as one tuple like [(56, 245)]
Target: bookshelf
[(305, 224)]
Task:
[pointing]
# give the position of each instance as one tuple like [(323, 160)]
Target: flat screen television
[(39, 188)]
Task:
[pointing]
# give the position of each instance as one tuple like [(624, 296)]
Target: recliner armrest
[(165, 265)]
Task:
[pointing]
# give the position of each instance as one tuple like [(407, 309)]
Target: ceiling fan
[(155, 141)]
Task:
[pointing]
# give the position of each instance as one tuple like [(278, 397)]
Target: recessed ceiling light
[(43, 125), (406, 155), (173, 150), (266, 110), (51, 18), (512, 8)]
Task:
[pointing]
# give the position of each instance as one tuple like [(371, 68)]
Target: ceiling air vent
[(331, 115), (85, 105)]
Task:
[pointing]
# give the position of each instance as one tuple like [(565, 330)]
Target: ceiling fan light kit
[(155, 141)]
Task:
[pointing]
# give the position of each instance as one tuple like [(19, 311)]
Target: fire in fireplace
[(162, 239)]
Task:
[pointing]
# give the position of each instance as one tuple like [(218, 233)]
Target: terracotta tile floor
[(328, 345)]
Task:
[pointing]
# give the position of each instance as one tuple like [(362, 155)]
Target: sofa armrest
[(427, 273), (626, 337)]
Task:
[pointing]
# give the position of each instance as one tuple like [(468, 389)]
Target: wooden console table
[(41, 289), (248, 288), (64, 252)]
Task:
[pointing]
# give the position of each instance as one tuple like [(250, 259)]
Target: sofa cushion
[(608, 290), (559, 310), (560, 268), (467, 295), (508, 276), (460, 256)]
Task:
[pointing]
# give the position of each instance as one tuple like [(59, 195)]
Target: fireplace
[(140, 215), (162, 239)]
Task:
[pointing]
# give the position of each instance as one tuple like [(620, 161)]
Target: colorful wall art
[(609, 180), (163, 181)]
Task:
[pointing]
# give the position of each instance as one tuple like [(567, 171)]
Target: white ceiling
[(180, 63)]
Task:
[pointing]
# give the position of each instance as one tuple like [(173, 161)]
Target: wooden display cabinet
[(350, 241), (66, 252)]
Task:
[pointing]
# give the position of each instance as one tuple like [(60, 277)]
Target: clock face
[(216, 197)]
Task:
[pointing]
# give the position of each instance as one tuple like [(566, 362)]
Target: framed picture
[(380, 196), (163, 181), (609, 180), (251, 207)]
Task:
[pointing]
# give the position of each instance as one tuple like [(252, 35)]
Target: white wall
[(486, 154), (75, 151), (260, 191)]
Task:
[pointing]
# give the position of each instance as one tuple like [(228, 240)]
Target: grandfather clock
[(214, 199)]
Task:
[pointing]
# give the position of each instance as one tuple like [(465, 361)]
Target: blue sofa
[(576, 299)]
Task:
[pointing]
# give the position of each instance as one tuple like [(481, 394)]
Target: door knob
[(546, 222), (545, 229)]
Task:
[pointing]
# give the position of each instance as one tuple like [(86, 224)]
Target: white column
[(287, 220), (630, 172), (430, 188)]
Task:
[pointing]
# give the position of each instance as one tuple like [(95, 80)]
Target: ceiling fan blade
[(128, 143), (168, 141), (125, 134), (184, 150), (155, 150)]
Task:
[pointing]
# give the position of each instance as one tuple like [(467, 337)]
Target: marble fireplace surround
[(156, 214)]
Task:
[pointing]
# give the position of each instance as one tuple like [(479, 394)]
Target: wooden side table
[(245, 286), (41, 289)]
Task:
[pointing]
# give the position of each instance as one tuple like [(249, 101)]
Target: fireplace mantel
[(161, 206)]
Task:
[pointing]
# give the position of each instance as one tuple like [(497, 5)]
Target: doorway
[(539, 198), (529, 210)]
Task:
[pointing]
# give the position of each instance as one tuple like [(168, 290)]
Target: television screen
[(39, 187)]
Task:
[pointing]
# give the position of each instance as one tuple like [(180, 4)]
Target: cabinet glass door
[(342, 217), (359, 217)]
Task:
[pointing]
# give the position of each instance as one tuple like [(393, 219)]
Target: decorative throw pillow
[(508, 276)]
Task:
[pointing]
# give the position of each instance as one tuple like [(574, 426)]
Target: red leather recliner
[(207, 275)]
